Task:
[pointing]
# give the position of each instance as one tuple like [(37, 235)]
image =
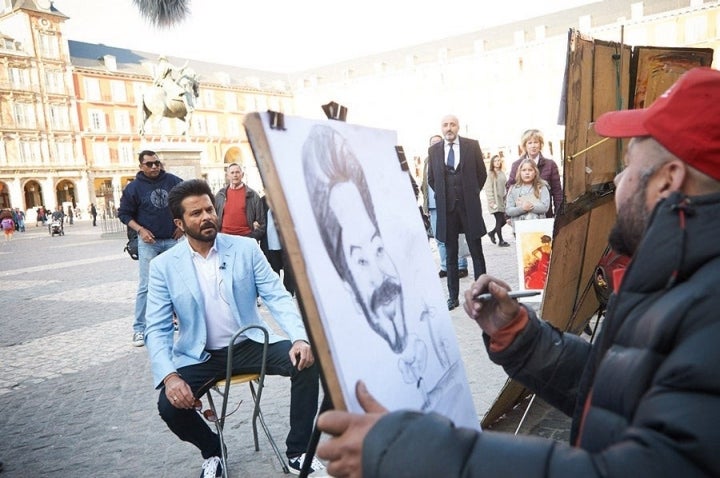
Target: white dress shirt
[(219, 320), (456, 149)]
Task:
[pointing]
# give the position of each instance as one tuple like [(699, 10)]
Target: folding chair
[(222, 387)]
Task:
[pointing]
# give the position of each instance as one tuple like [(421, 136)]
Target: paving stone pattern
[(76, 399)]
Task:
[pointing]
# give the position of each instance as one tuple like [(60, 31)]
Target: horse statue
[(171, 97)]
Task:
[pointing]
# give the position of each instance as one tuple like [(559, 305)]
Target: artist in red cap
[(645, 395)]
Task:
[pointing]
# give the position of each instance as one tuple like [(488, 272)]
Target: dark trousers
[(499, 223), (189, 426), (277, 262), (456, 222)]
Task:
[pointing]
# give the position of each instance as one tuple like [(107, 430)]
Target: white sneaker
[(211, 468), (316, 467), (138, 339)]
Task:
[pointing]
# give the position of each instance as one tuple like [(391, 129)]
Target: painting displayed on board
[(534, 247), (367, 283)]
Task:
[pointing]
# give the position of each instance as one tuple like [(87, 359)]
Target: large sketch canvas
[(382, 314)]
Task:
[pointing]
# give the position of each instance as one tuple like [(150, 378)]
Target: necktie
[(451, 157)]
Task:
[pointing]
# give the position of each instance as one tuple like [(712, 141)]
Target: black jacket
[(651, 376), (473, 173)]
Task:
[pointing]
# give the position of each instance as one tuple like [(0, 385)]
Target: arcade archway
[(233, 155), (4, 196), (32, 191), (65, 192)]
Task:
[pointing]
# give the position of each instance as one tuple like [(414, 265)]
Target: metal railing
[(111, 225)]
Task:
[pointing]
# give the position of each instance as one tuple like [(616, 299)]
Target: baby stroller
[(56, 227)]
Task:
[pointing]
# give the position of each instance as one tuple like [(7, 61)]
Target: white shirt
[(456, 149), (219, 320)]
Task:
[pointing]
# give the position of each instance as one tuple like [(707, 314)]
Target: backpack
[(132, 244), (8, 224)]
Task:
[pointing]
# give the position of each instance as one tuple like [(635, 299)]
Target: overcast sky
[(292, 35)]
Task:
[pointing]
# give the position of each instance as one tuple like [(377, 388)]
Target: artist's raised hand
[(301, 355), (344, 450), (494, 314)]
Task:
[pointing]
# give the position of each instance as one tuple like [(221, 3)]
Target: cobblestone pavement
[(76, 399)]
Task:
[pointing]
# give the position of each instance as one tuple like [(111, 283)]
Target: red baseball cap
[(685, 120)]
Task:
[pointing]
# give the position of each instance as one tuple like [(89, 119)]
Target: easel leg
[(522, 420), (315, 437)]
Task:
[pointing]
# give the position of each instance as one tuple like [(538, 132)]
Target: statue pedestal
[(180, 159)]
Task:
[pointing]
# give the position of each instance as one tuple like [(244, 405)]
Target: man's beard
[(388, 292), (199, 236), (632, 219)]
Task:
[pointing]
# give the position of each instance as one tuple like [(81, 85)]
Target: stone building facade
[(69, 118)]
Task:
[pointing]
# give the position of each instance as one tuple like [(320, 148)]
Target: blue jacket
[(173, 286), (145, 200)]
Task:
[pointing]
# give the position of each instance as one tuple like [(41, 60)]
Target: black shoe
[(452, 304), (491, 235), (295, 465), (442, 274), (462, 273), (503, 244)]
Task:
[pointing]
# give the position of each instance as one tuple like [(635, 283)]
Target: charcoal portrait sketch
[(369, 266)]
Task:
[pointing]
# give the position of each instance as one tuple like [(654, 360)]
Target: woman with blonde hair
[(495, 193), (532, 143)]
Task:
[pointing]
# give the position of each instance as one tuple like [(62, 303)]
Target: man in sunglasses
[(144, 208)]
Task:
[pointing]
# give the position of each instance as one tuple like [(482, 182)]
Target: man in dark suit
[(457, 174)]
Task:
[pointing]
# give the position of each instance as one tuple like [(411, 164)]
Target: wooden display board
[(600, 76)]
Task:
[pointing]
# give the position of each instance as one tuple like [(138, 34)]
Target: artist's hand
[(528, 206), (178, 233), (178, 392), (344, 450), (496, 313), (256, 225), (301, 355)]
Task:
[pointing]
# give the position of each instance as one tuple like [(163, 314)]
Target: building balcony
[(22, 87)]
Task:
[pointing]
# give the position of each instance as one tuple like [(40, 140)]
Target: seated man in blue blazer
[(211, 281)]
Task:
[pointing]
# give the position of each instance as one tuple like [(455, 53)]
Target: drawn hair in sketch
[(332, 169)]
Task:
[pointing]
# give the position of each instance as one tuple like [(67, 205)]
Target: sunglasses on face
[(151, 164), (208, 414)]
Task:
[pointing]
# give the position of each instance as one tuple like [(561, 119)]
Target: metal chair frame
[(248, 378)]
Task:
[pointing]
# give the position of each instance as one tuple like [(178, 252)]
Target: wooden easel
[(332, 393)]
